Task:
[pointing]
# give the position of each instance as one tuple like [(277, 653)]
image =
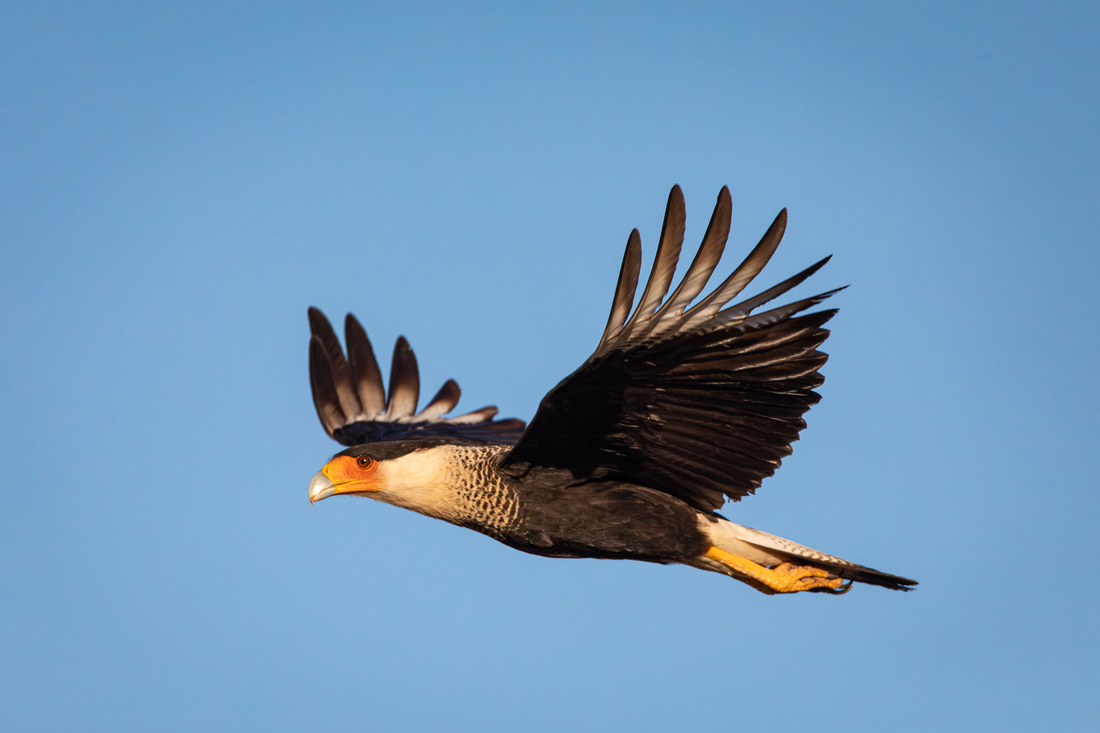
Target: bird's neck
[(457, 484)]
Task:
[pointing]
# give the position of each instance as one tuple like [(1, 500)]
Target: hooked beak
[(320, 487)]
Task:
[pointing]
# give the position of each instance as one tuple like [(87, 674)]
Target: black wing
[(352, 404), (703, 402)]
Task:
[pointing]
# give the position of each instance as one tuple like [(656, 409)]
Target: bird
[(685, 403)]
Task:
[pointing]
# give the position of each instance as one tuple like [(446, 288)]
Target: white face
[(419, 481)]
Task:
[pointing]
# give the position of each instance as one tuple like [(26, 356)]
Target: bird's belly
[(606, 521)]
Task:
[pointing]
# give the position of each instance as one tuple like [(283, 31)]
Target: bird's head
[(345, 474), (412, 474)]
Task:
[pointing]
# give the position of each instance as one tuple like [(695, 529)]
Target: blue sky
[(179, 182)]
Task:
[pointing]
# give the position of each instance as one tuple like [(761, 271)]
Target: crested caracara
[(684, 404)]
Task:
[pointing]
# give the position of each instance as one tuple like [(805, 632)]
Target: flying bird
[(683, 405)]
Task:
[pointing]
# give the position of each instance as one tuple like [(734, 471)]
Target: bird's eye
[(363, 461)]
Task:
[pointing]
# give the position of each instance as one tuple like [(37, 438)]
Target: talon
[(838, 591)]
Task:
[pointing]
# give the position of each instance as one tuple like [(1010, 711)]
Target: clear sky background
[(179, 182)]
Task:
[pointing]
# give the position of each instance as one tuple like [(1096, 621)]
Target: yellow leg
[(783, 578)]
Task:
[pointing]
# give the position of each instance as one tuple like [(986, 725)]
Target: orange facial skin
[(352, 474)]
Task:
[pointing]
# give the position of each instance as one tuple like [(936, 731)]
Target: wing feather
[(625, 288), (325, 398), (443, 402), (404, 382), (702, 402), (339, 372), (364, 368), (746, 307), (664, 263), (485, 413)]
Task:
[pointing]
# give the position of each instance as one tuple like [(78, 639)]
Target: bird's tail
[(769, 550)]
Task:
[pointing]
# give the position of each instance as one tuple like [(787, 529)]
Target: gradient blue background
[(178, 183)]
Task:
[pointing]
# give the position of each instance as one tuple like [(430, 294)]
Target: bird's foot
[(783, 578), (790, 578)]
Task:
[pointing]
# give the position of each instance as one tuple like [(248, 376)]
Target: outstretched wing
[(352, 403), (703, 402)]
